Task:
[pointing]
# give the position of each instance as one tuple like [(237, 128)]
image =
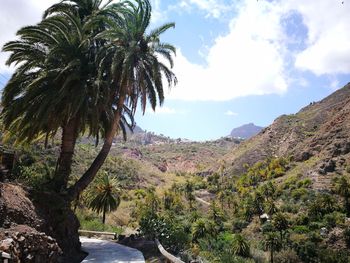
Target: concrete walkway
[(102, 251)]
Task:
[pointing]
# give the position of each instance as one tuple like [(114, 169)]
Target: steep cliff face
[(39, 229), (320, 131)]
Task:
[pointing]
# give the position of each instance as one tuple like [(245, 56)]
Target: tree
[(342, 188), (280, 223), (96, 61), (271, 243), (199, 229), (188, 189), (240, 246), (130, 62), (56, 87), (105, 196), (271, 207)]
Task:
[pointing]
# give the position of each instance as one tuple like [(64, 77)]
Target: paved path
[(101, 251)]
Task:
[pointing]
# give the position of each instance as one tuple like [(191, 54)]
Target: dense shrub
[(286, 256)]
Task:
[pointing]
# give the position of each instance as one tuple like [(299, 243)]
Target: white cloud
[(163, 110), (249, 60), (231, 113), (253, 58), (328, 23), (158, 15), (214, 8), (13, 16)]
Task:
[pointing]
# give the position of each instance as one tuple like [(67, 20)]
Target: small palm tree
[(342, 188), (271, 243), (199, 229), (280, 222), (188, 189), (106, 196), (240, 246)]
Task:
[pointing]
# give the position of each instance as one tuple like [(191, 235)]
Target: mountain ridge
[(319, 131), (246, 131)]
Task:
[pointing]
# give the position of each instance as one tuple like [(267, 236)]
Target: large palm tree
[(48, 92), (105, 196), (130, 61)]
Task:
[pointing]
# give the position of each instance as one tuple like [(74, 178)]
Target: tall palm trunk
[(64, 163), (91, 172)]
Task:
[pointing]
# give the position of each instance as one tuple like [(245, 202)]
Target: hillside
[(246, 131), (319, 133)]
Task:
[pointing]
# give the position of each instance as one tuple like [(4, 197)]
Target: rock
[(323, 231), (327, 167), (304, 156), (28, 245)]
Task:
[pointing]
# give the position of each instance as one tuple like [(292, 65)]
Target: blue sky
[(237, 61)]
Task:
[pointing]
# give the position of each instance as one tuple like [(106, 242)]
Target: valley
[(283, 193)]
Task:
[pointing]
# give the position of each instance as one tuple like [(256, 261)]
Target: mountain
[(317, 139), (246, 131)]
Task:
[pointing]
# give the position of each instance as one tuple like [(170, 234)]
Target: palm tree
[(271, 207), (130, 63), (188, 189), (240, 246), (82, 74), (271, 243), (342, 188), (56, 85), (105, 196), (199, 229), (280, 222)]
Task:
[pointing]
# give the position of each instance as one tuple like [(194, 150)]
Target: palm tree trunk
[(271, 254), (91, 172), (104, 215), (64, 163)]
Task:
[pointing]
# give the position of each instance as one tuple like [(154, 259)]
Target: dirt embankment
[(36, 231)]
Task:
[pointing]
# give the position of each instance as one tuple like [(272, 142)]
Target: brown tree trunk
[(104, 216), (91, 172), (64, 163)]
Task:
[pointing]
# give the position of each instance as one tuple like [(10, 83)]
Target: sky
[(237, 61)]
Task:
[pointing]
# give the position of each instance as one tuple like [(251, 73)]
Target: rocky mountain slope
[(246, 131), (318, 133)]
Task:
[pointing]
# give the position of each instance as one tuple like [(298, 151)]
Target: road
[(102, 251)]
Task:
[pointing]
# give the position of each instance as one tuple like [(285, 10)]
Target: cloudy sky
[(238, 61)]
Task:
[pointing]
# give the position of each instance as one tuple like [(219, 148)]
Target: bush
[(334, 219), (97, 225), (301, 229), (238, 225), (289, 208), (346, 235), (304, 183), (300, 193), (333, 256), (302, 219), (286, 256)]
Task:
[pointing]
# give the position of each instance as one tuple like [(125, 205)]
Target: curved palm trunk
[(64, 163), (91, 172)]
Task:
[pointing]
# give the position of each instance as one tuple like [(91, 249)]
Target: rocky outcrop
[(25, 244)]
